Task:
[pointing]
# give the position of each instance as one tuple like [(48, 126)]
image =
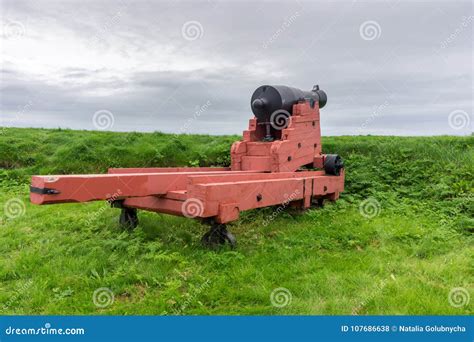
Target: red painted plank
[(84, 188)]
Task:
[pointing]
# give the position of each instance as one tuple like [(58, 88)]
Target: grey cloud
[(418, 70)]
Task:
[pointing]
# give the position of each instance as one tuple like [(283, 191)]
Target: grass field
[(399, 240)]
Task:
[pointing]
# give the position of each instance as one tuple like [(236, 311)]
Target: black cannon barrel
[(267, 99)]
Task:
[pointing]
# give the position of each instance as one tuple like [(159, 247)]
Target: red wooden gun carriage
[(279, 160)]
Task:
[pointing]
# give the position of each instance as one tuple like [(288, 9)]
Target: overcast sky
[(388, 67)]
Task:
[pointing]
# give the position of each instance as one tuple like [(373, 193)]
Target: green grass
[(333, 260)]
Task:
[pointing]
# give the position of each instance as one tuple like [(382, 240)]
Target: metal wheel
[(217, 236), (318, 202), (333, 164), (128, 218)]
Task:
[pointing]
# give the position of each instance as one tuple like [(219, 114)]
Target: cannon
[(273, 105), (278, 162), (267, 99)]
